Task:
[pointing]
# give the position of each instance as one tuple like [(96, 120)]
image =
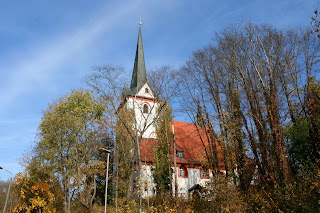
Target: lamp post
[(5, 204), (106, 193)]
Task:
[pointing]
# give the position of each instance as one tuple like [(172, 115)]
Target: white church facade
[(189, 151)]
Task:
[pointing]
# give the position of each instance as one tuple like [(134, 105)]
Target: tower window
[(146, 90), (145, 108)]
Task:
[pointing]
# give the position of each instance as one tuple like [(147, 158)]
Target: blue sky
[(48, 47)]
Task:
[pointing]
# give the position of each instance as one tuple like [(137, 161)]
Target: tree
[(13, 198), (303, 146), (315, 23), (37, 193), (248, 84), (162, 161), (124, 150), (218, 195), (69, 139), (107, 82), (3, 188), (300, 146)]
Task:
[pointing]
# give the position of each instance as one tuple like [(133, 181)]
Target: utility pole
[(107, 177), (5, 204), (175, 164)]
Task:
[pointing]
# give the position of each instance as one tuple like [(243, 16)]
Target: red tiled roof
[(189, 138)]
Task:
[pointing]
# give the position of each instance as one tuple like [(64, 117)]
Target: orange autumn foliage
[(35, 194)]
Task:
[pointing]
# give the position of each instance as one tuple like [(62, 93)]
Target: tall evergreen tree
[(162, 155)]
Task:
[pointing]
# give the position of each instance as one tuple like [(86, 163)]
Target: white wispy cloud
[(37, 68), (34, 72)]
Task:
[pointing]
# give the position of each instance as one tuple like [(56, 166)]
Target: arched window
[(145, 108), (146, 90)]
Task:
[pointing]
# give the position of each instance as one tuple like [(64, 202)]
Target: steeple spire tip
[(139, 76)]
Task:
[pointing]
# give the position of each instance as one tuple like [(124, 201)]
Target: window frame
[(185, 172), (145, 108), (206, 171), (179, 154)]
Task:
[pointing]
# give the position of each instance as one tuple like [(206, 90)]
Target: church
[(188, 160)]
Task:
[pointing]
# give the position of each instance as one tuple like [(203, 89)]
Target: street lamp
[(106, 193), (5, 205)]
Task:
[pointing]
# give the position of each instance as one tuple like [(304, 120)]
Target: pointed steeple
[(139, 76), (200, 119)]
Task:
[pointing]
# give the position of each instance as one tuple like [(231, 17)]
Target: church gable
[(145, 92)]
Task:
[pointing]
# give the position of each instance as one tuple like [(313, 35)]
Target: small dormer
[(180, 154)]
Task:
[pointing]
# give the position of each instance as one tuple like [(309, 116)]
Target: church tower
[(140, 97)]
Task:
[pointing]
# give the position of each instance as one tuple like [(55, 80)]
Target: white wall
[(148, 186), (186, 183), (144, 119)]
